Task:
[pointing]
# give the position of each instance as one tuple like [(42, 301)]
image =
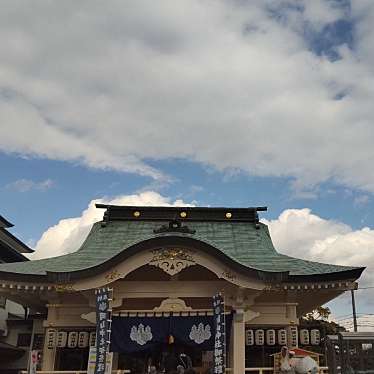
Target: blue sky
[(225, 103), (73, 186)]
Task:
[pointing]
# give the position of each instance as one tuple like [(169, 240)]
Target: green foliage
[(318, 318)]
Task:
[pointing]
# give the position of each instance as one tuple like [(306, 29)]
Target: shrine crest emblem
[(141, 334), (200, 333)]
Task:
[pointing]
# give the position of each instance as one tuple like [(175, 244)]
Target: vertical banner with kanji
[(102, 329), (220, 334)]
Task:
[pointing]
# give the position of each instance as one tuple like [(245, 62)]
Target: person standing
[(185, 361)]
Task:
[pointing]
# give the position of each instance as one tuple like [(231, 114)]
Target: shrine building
[(164, 265), (12, 322)]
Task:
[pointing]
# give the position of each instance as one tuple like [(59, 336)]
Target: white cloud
[(25, 185), (69, 233), (361, 200), (222, 83), (296, 231), (300, 233)]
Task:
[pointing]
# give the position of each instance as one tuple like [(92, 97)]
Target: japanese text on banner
[(220, 334), (102, 326)]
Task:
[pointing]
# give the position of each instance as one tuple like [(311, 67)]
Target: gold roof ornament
[(172, 260), (64, 288)]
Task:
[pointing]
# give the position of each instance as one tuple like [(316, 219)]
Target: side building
[(164, 265), (15, 327)]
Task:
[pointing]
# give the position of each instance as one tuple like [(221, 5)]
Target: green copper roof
[(240, 241)]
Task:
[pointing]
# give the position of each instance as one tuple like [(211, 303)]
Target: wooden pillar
[(237, 345), (115, 361)]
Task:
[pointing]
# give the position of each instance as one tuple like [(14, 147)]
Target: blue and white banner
[(102, 329), (220, 334), (133, 334)]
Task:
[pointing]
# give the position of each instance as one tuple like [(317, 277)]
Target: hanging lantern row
[(282, 337), (260, 337), (312, 337), (70, 339)]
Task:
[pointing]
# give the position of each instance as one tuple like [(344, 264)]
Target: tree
[(318, 318), (320, 313)]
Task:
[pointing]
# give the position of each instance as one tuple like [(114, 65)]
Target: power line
[(360, 315), (346, 316)]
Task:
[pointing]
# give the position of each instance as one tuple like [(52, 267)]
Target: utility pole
[(354, 311)]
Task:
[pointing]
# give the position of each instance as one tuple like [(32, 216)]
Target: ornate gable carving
[(172, 305), (172, 260)]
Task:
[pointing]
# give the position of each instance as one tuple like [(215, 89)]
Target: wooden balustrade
[(264, 370), (73, 372), (258, 370)]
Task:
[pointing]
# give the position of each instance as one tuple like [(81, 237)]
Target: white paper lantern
[(249, 337), (83, 337), (260, 337), (92, 338), (62, 337), (304, 337), (51, 338), (282, 337), (315, 337), (292, 336), (270, 337), (73, 339)]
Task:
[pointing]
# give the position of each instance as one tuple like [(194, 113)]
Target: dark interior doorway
[(162, 356), (71, 359)]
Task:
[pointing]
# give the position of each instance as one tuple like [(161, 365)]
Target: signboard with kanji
[(102, 329), (92, 361), (220, 334)]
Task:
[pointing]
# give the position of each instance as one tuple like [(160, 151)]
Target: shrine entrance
[(165, 341), (165, 358)]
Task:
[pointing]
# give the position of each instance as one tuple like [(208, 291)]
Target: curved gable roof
[(242, 243)]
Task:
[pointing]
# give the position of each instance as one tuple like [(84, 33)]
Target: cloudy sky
[(220, 103)]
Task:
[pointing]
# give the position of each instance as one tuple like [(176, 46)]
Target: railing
[(259, 370), (73, 372), (263, 370)]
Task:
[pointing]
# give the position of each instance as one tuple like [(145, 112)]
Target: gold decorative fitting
[(229, 275), (172, 305), (64, 288), (171, 260), (112, 276), (183, 214), (228, 215), (136, 213)]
